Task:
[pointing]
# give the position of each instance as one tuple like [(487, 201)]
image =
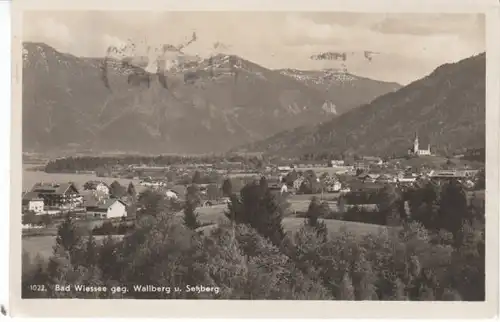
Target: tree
[(197, 177), (213, 192), (453, 207), (91, 251), (68, 237), (480, 180), (30, 218), (116, 189), (131, 190), (424, 205), (315, 211), (46, 220), (263, 182), (388, 205), (363, 279), (193, 195), (291, 177), (450, 295), (259, 208), (190, 216), (398, 291), (150, 203), (227, 187), (346, 290)]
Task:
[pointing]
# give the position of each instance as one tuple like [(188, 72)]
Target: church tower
[(415, 144)]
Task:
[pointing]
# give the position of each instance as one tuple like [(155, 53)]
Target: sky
[(406, 46)]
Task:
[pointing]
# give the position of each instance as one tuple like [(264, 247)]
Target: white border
[(5, 56), (269, 309)]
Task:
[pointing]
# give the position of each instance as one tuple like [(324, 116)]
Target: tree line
[(91, 163), (436, 252)]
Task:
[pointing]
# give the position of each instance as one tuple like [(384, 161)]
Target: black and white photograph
[(254, 155)]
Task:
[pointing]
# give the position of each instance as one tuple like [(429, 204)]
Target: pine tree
[(131, 190), (314, 212), (259, 208), (388, 205), (67, 235), (346, 290), (227, 187), (364, 279), (453, 210), (193, 195), (91, 251), (190, 216), (398, 291), (197, 177)]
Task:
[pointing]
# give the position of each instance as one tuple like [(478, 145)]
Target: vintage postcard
[(222, 159)]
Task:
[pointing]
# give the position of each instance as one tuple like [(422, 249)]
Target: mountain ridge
[(203, 106), (429, 106)]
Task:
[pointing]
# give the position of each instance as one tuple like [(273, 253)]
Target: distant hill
[(205, 105), (446, 108)]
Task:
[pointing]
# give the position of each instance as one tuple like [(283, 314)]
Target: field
[(32, 177), (42, 246), (216, 215)]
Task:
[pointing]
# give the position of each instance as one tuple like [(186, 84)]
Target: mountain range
[(446, 109), (75, 103)]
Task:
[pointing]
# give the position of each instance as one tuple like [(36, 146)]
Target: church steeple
[(415, 143)]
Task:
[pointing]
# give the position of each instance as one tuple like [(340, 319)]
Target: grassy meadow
[(42, 246)]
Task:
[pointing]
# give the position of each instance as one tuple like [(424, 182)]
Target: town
[(341, 185)]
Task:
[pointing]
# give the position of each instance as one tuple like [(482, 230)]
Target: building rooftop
[(31, 196), (53, 188)]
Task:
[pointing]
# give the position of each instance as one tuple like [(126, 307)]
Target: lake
[(31, 177)]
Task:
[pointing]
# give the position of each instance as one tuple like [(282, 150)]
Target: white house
[(32, 202), (36, 205), (284, 188), (333, 186), (112, 208), (170, 194), (334, 163), (407, 179)]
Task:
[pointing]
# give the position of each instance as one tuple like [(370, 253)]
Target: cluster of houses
[(58, 198), (369, 172), (94, 199)]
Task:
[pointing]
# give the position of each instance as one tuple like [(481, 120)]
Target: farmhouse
[(112, 208), (63, 195), (32, 202)]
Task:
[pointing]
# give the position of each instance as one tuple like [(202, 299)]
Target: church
[(416, 148)]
